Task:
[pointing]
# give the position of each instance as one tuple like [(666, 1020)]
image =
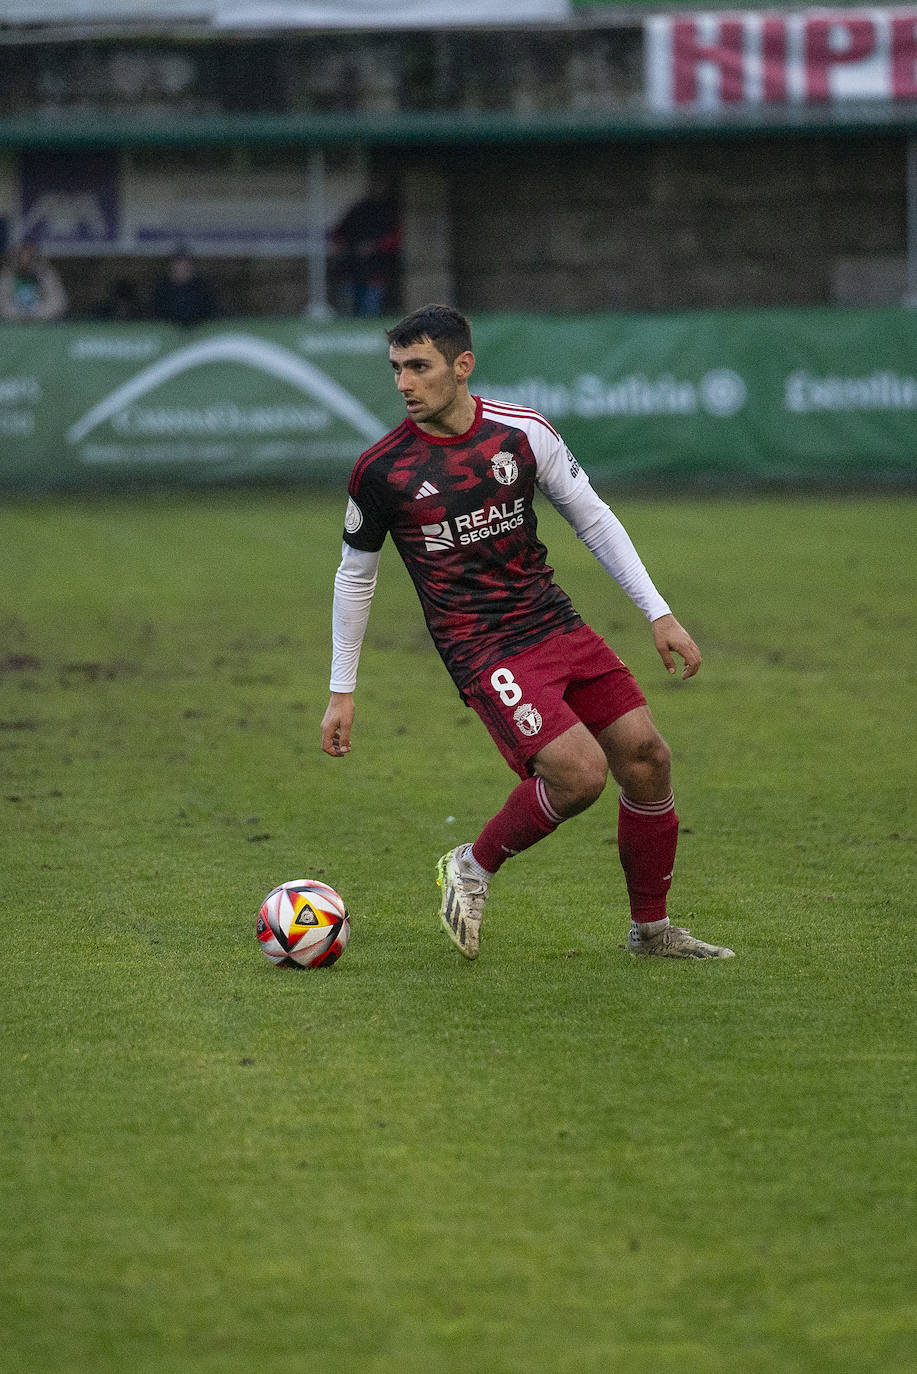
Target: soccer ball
[(303, 924)]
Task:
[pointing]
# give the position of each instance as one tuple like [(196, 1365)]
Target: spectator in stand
[(30, 289), (122, 303), (182, 295), (366, 246)]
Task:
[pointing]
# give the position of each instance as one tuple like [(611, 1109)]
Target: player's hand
[(672, 638), (336, 724)]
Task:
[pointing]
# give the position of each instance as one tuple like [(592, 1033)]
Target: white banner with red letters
[(720, 61), (285, 14)]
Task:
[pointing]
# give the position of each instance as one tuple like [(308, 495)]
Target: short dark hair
[(447, 330)]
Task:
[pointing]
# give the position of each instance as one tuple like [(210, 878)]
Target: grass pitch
[(561, 1159)]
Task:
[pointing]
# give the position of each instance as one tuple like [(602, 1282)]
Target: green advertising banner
[(700, 399)]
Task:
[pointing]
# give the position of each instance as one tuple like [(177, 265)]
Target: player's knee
[(650, 758), (574, 769), (592, 782), (582, 784), (658, 755)]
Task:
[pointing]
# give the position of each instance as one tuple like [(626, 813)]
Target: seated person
[(183, 295), (30, 289)]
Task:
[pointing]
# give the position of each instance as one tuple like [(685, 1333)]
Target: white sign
[(229, 210), (279, 14), (715, 62), (99, 203)]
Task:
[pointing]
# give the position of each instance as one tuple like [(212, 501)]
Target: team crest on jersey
[(504, 468), (527, 718)]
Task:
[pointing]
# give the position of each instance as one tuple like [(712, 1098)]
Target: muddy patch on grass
[(91, 672), (19, 663)]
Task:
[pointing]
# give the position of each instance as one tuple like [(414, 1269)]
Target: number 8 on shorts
[(506, 686)]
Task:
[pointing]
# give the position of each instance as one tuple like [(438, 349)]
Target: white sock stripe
[(661, 808), (541, 792)]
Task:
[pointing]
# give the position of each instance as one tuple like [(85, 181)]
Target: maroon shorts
[(529, 699)]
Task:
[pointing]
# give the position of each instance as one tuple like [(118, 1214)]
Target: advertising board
[(701, 399)]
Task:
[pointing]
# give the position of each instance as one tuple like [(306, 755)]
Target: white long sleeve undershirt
[(354, 584), (605, 537)]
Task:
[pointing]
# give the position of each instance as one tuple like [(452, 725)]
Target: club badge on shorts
[(527, 718)]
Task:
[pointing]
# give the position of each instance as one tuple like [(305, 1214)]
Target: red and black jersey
[(460, 513)]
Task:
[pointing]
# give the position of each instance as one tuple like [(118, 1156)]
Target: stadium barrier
[(702, 400)]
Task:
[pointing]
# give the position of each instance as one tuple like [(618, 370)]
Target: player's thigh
[(574, 769)]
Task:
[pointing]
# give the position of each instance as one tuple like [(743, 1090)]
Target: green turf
[(560, 1159)]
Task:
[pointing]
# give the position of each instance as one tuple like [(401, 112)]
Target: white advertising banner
[(87, 202), (720, 61), (282, 14), (226, 212)]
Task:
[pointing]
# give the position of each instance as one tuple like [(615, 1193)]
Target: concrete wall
[(706, 223)]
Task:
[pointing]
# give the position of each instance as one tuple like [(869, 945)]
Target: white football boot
[(464, 895), (674, 942)]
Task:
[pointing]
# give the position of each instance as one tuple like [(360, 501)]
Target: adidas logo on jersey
[(427, 489)]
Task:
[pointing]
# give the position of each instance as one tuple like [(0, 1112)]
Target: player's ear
[(464, 366)]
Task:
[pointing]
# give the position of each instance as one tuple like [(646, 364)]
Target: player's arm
[(354, 584), (568, 489), (602, 532)]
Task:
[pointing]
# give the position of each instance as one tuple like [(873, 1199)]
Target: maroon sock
[(526, 818), (647, 838)]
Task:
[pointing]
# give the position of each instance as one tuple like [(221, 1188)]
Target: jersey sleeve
[(366, 519)]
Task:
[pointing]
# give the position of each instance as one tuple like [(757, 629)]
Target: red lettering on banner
[(726, 54), (904, 58), (773, 60), (706, 60), (859, 36)]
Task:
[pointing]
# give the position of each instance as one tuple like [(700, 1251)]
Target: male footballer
[(453, 485)]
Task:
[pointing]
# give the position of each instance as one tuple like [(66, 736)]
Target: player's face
[(435, 391)]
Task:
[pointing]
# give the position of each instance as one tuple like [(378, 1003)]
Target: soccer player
[(453, 484)]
